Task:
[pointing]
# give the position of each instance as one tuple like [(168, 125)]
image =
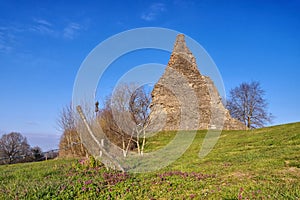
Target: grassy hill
[(254, 164)]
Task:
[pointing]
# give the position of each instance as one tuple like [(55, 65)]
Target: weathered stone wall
[(183, 99)]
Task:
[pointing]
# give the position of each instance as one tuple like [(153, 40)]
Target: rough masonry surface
[(184, 99)]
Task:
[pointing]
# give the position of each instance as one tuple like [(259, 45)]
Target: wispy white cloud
[(44, 27), (153, 11), (10, 35), (71, 30), (42, 21)]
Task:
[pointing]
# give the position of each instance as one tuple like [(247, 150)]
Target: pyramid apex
[(180, 45), (180, 48)]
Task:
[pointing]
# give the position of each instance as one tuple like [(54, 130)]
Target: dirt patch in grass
[(294, 170), (240, 175)]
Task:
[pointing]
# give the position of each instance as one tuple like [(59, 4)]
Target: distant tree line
[(14, 148)]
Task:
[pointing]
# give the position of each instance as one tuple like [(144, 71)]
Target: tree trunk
[(249, 122), (144, 141), (138, 141)]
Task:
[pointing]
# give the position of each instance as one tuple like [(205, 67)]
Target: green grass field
[(254, 164)]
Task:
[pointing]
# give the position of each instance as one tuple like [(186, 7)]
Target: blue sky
[(43, 43)]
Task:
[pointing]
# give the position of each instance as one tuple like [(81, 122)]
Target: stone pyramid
[(183, 99)]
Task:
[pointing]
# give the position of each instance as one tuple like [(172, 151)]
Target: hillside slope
[(255, 164)]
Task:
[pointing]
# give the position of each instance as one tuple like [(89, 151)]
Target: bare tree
[(14, 146), (125, 116), (247, 104), (115, 120), (66, 119), (70, 142), (139, 107)]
